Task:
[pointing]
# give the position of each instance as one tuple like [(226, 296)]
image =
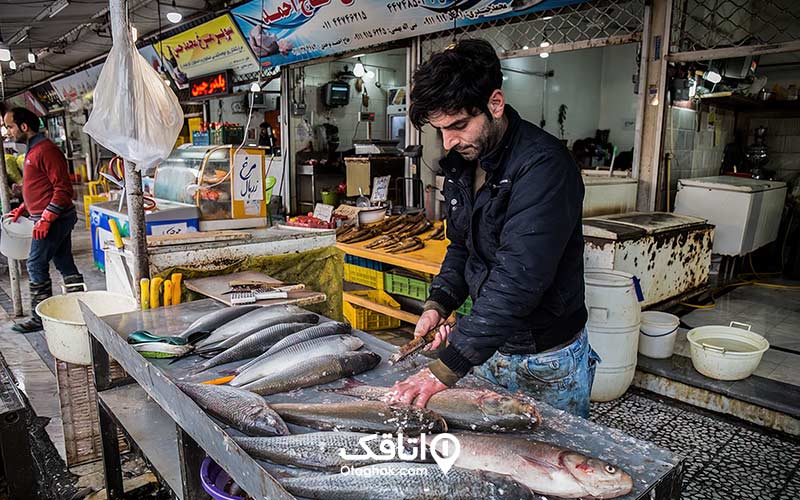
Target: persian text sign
[(288, 31)]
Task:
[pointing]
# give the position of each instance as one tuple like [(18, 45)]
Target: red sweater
[(45, 178)]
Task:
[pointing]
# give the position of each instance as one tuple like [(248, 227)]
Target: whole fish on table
[(298, 353), (462, 408), (307, 317), (241, 409), (316, 371), (405, 481), (313, 332), (253, 345), (250, 322), (204, 325), (544, 468), (362, 416), (320, 450)]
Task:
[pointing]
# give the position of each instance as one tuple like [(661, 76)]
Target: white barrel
[(15, 242), (657, 334), (64, 326), (613, 327)]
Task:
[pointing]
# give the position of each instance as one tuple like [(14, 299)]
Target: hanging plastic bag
[(136, 115)]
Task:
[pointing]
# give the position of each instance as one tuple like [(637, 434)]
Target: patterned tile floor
[(725, 459)]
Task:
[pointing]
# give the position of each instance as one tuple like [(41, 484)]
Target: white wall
[(618, 103)]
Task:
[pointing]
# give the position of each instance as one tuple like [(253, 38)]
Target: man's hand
[(42, 226), (16, 213), (416, 389), (429, 320)]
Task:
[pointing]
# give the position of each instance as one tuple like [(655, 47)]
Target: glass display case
[(225, 182)]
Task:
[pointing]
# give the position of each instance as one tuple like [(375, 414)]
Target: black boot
[(39, 292), (74, 283)]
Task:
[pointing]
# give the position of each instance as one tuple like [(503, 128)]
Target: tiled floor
[(725, 459)]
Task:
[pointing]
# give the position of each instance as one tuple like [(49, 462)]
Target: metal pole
[(13, 265), (133, 177)]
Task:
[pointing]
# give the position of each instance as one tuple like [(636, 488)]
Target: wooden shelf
[(374, 306)]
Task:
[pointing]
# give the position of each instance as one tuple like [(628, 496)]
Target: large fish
[(405, 481), (253, 345), (250, 322), (321, 330), (241, 409), (316, 371), (362, 416), (299, 353), (470, 409), (306, 317), (544, 468), (321, 450), (207, 323)]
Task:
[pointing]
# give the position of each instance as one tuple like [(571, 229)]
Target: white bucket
[(657, 334), (725, 352), (15, 242), (64, 326), (613, 326)]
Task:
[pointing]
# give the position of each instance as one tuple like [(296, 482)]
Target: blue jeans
[(56, 246), (561, 378)]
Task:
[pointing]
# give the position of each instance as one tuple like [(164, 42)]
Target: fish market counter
[(175, 435)]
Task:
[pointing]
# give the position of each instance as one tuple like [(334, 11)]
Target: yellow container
[(94, 196), (365, 319), (364, 276)]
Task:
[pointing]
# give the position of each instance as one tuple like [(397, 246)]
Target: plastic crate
[(370, 264), (365, 319), (406, 286), (201, 138), (465, 308), (363, 276)]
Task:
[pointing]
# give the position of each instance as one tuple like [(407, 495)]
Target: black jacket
[(516, 248)]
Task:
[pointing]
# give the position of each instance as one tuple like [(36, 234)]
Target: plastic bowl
[(213, 479), (725, 352)]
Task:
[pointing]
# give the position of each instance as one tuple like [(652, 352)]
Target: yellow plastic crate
[(363, 276), (365, 319)]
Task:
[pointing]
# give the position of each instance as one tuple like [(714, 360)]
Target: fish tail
[(219, 381)]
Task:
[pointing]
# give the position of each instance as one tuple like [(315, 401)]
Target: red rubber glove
[(42, 226), (15, 214)]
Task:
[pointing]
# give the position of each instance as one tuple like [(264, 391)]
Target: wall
[(783, 144), (618, 102), (222, 109)]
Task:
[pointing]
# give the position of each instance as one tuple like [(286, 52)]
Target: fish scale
[(311, 333)]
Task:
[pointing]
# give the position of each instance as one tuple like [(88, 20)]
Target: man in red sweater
[(47, 197)]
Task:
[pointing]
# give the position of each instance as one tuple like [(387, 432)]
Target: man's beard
[(485, 143)]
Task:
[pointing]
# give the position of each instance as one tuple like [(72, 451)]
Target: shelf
[(427, 260), (374, 306), (741, 103), (153, 431)]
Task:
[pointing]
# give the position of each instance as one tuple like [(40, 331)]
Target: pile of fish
[(397, 234)]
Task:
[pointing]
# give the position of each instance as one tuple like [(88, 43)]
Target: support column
[(13, 265)]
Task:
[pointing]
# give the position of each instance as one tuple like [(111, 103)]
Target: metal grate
[(715, 24), (576, 25)]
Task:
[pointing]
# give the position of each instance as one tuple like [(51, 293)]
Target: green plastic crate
[(406, 286)]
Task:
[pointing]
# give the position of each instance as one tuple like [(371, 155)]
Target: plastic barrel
[(64, 326), (657, 334), (15, 242), (613, 326)]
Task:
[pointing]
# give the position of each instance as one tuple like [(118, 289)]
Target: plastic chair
[(268, 185)]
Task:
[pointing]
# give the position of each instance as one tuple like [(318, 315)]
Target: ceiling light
[(255, 87), (5, 53), (369, 75), (544, 44), (525, 47), (358, 56), (31, 57), (174, 16), (544, 55), (359, 70), (57, 7), (12, 65), (134, 33), (712, 76), (505, 78), (20, 36), (547, 18)]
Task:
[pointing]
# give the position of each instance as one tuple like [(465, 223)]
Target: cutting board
[(163, 240), (216, 286)]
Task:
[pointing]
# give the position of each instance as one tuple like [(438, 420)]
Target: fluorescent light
[(12, 65), (358, 56), (57, 7), (547, 18), (5, 53), (134, 33), (544, 55), (174, 16), (31, 57), (359, 70), (712, 76)]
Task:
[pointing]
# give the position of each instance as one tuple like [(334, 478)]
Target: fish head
[(600, 479), (353, 343)]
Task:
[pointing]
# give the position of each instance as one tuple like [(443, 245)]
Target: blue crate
[(201, 138), (369, 264)]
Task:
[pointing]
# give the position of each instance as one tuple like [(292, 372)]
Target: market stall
[(175, 434)]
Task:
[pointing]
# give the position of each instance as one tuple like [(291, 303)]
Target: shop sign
[(78, 86), (211, 47), (47, 95), (218, 84), (248, 174), (287, 31)]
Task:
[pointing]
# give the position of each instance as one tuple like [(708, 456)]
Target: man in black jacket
[(514, 198)]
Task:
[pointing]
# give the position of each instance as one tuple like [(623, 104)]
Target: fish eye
[(611, 469)]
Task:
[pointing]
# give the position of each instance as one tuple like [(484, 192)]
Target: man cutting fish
[(514, 198)]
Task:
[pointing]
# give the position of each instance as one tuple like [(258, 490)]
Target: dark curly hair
[(459, 78), (26, 116)]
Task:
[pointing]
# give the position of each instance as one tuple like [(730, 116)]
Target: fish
[(407, 245), (253, 345), (316, 371), (250, 322), (243, 410), (544, 468), (298, 353), (162, 350), (320, 450), (305, 317), (323, 330), (405, 481), (362, 416), (479, 410), (204, 325)]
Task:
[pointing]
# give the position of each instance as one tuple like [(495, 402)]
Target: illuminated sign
[(217, 84)]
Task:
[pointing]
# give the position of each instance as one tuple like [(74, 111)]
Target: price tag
[(380, 188), (248, 175), (323, 212)]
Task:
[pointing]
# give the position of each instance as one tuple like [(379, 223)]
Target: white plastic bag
[(136, 115)]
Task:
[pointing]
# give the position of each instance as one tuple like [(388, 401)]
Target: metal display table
[(174, 434)]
